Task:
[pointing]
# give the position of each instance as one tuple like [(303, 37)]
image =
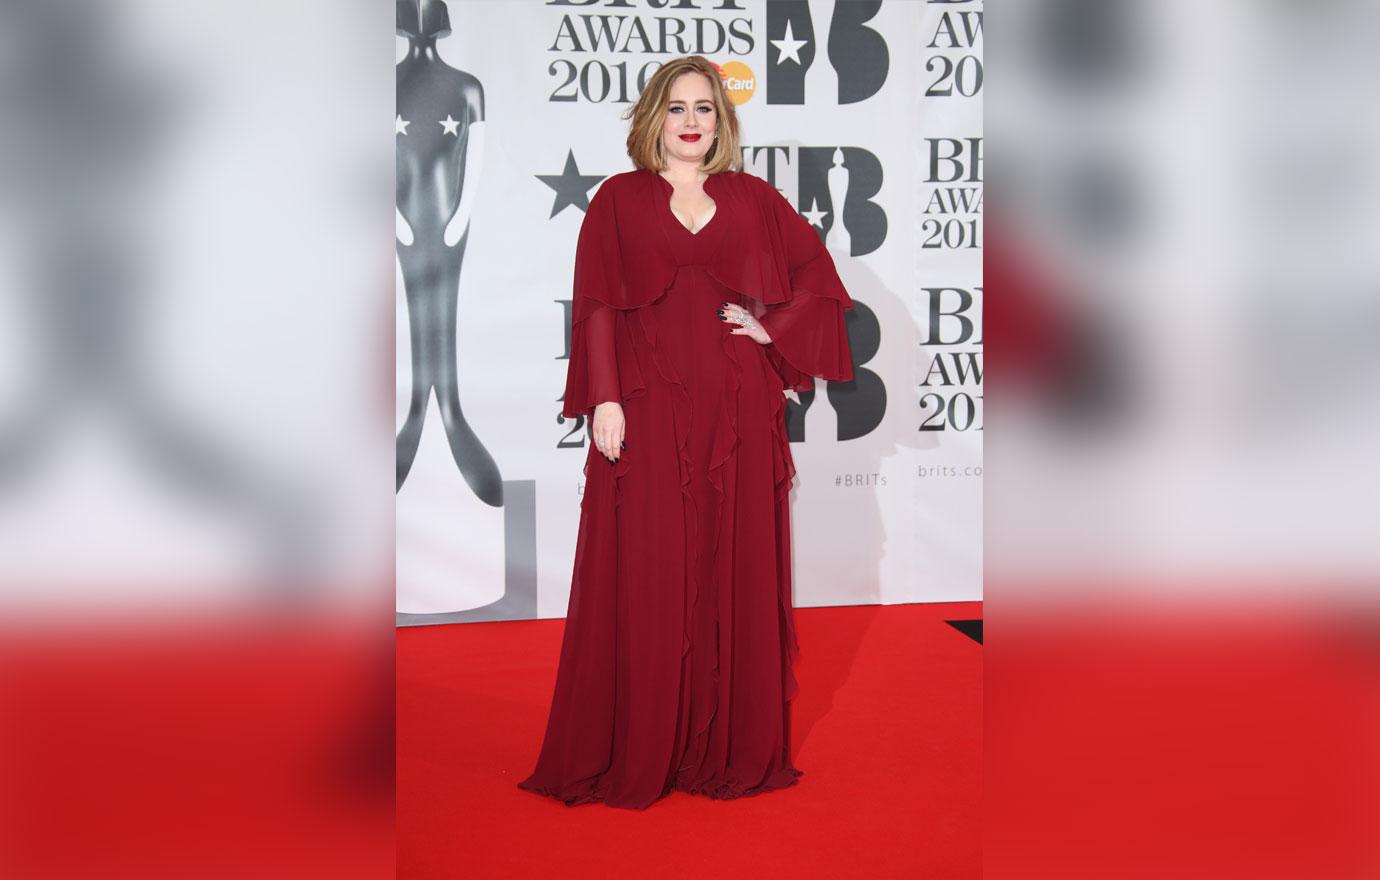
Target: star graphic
[(450, 126), (814, 215), (572, 187), (788, 47), (400, 125)]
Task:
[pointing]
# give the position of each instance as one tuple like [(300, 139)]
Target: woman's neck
[(683, 172)]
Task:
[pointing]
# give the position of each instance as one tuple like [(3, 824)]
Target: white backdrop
[(891, 514)]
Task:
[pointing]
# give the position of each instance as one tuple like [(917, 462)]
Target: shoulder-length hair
[(648, 116)]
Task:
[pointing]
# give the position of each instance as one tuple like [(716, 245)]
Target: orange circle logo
[(739, 81)]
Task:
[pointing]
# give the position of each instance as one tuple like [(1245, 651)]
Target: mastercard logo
[(739, 81)]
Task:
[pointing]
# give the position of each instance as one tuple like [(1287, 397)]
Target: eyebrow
[(700, 101)]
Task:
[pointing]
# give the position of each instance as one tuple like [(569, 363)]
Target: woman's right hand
[(608, 428)]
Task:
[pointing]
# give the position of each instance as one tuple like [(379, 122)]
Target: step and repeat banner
[(865, 114)]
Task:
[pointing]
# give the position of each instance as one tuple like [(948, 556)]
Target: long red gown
[(675, 669)]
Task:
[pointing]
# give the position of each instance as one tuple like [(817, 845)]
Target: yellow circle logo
[(739, 81)]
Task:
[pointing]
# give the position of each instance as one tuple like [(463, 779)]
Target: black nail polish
[(622, 446), (722, 318)]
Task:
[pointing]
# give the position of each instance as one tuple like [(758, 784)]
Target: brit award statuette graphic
[(439, 139)]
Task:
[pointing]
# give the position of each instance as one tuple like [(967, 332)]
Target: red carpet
[(887, 729)]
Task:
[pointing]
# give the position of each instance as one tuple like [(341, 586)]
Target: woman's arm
[(608, 424), (592, 385), (808, 338), (807, 332)]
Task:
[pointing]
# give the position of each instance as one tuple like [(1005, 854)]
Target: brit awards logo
[(951, 389), (953, 213), (833, 187), (857, 53)]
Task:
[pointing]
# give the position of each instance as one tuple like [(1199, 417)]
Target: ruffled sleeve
[(592, 375), (807, 330), (602, 367)]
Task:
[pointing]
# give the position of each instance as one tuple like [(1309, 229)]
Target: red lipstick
[(690, 137)]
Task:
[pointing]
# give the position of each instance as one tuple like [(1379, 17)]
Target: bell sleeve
[(807, 331), (592, 373)]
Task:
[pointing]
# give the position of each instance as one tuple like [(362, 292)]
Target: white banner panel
[(867, 116)]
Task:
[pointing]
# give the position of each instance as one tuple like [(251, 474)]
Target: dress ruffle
[(683, 412)]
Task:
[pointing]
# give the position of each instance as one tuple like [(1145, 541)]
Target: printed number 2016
[(962, 412), (964, 75), (595, 80)]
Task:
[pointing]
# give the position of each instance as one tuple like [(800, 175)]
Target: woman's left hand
[(747, 324)]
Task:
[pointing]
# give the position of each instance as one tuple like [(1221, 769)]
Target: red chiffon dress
[(675, 670)]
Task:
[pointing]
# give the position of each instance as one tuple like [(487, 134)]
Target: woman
[(700, 294)]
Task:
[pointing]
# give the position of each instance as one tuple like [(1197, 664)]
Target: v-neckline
[(667, 203)]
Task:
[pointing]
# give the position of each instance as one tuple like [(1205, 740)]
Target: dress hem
[(718, 791)]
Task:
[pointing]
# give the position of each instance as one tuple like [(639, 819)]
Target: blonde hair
[(648, 116)]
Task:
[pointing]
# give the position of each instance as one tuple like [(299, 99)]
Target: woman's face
[(691, 119)]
